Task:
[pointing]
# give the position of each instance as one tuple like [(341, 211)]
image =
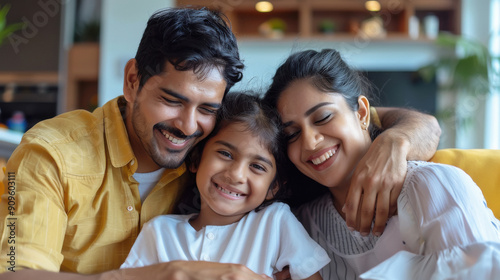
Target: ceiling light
[(372, 6), (264, 6)]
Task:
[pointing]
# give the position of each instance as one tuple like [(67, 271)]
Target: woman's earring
[(365, 127)]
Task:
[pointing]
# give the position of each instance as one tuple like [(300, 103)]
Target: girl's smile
[(229, 192), (234, 175)]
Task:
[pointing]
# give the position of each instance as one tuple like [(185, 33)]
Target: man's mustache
[(176, 132)]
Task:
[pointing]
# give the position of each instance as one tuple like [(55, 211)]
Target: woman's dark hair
[(190, 39), (260, 120), (327, 72)]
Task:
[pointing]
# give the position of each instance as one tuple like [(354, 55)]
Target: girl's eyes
[(259, 167), (225, 154)]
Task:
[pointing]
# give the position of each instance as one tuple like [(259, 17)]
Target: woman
[(442, 222)]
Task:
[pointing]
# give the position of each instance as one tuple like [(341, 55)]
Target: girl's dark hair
[(190, 39), (327, 72), (248, 109)]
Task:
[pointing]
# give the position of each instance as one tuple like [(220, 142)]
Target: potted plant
[(273, 28), (88, 31), (6, 30), (463, 76)]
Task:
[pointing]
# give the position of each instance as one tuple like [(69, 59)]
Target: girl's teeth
[(228, 192), (323, 157)]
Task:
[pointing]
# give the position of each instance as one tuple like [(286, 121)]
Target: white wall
[(476, 19), (475, 25), (492, 133), (122, 25)]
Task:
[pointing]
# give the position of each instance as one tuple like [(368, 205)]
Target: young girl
[(237, 179), (443, 226)]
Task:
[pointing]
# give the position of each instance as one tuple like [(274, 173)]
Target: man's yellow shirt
[(77, 206)]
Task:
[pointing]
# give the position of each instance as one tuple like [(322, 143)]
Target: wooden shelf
[(337, 37), (303, 17), (83, 74), (29, 78)]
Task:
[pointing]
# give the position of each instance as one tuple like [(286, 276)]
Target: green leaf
[(3, 16), (469, 68), (474, 48), (4, 11), (447, 40), (427, 72), (9, 30)]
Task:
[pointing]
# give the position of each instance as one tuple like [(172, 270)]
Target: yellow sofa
[(482, 165)]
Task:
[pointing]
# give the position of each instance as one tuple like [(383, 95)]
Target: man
[(85, 183)]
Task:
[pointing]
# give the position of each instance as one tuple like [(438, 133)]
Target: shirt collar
[(120, 150)]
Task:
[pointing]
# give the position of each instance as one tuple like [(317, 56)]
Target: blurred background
[(435, 56)]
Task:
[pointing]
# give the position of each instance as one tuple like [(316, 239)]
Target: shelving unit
[(83, 75), (33, 93), (303, 17)]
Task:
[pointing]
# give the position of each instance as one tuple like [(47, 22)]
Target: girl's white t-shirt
[(265, 241)]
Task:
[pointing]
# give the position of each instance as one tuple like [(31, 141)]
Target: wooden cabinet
[(83, 74), (305, 18)]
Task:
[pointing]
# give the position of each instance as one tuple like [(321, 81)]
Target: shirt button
[(210, 235), (130, 208), (205, 257)]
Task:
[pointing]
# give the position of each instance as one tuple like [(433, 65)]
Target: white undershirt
[(147, 181)]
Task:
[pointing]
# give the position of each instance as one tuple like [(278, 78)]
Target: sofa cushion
[(482, 165)]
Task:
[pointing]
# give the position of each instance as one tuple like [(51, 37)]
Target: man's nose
[(187, 122)]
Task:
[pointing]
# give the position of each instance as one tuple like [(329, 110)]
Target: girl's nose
[(236, 173)]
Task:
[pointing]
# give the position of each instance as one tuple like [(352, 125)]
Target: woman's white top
[(443, 228), (265, 241)]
